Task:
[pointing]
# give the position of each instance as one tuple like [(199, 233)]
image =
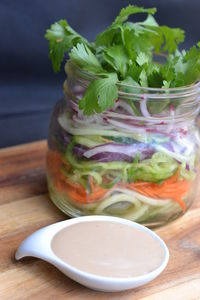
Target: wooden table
[(25, 207)]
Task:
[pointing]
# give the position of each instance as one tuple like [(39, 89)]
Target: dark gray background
[(28, 86)]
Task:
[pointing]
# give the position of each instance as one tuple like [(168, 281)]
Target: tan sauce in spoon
[(108, 249)]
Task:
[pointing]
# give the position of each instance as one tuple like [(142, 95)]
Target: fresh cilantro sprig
[(100, 95), (138, 53), (61, 39), (84, 58), (116, 29)]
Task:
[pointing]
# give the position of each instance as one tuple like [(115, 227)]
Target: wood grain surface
[(25, 207)]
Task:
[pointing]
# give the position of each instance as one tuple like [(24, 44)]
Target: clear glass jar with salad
[(123, 141)]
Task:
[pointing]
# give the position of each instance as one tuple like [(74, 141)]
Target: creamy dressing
[(108, 249)]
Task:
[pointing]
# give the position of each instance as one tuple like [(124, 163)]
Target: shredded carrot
[(83, 197), (172, 188), (91, 183), (75, 191), (55, 162), (97, 195), (75, 196), (79, 194)]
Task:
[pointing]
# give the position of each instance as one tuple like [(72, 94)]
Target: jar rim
[(178, 91), (187, 96), (181, 88)]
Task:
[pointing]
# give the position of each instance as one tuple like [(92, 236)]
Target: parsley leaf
[(100, 95)]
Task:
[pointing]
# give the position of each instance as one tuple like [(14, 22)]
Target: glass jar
[(138, 160)]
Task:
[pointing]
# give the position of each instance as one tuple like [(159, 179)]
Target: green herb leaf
[(117, 57), (141, 53), (183, 68), (100, 95), (134, 72), (129, 85), (136, 42), (61, 38), (130, 10), (167, 39), (143, 78), (166, 84), (155, 79), (108, 36), (191, 65), (83, 57), (142, 59), (150, 21)]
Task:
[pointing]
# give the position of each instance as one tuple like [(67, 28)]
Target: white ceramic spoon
[(39, 245)]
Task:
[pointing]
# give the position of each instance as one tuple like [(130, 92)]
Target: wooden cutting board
[(25, 207)]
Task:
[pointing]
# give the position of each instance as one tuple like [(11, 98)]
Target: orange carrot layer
[(171, 188), (55, 162), (75, 193)]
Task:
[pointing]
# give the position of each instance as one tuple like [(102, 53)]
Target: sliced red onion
[(62, 137), (177, 156), (73, 105), (79, 150), (122, 118), (99, 119), (178, 148), (127, 121), (127, 118), (90, 122), (131, 128), (138, 128), (168, 146), (119, 116), (124, 105), (154, 130), (142, 149), (174, 147), (78, 89), (143, 107), (172, 114), (185, 144), (84, 121), (108, 157), (172, 110), (187, 167)]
